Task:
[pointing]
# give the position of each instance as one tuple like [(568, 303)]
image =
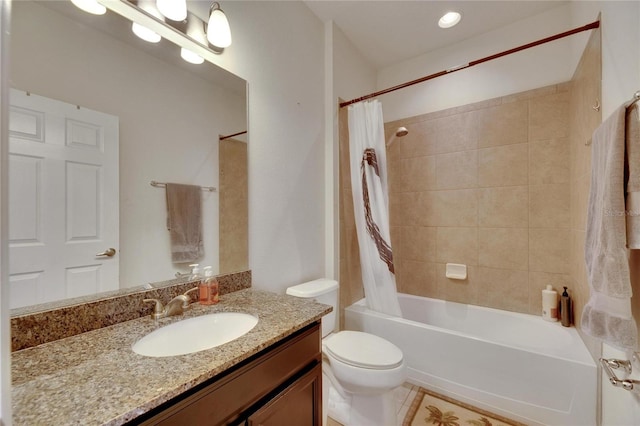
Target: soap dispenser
[(565, 308), (195, 272), (208, 288), (549, 304)]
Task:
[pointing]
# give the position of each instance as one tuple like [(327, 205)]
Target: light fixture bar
[(133, 12)]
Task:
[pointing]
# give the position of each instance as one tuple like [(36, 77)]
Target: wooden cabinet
[(274, 387), (295, 405)]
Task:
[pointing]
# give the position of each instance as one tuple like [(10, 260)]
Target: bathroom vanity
[(281, 385), (271, 375)]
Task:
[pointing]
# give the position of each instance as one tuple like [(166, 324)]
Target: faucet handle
[(158, 309)]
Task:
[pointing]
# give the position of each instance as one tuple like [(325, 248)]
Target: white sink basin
[(195, 334)]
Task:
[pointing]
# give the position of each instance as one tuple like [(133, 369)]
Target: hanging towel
[(633, 183), (184, 221), (607, 315)]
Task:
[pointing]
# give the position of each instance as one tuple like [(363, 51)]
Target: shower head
[(400, 132)]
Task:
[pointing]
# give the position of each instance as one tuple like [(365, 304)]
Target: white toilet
[(359, 370)]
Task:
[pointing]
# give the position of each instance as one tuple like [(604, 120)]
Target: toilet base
[(379, 410), (360, 410)]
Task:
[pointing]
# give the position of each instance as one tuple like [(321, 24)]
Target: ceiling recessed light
[(449, 19)]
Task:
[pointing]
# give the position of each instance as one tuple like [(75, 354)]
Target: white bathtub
[(512, 364)]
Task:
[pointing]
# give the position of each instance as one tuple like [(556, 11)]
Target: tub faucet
[(176, 306)]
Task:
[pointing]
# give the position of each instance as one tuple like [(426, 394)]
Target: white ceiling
[(390, 31)]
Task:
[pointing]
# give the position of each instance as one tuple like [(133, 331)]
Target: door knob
[(108, 252)]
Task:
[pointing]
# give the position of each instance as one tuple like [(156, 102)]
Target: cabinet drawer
[(228, 397)]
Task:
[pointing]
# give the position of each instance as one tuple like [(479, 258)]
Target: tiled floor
[(405, 395)]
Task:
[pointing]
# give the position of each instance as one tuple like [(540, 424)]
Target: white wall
[(351, 75), (152, 98), (537, 67), (278, 47)]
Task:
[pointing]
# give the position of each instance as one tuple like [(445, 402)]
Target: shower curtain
[(368, 162)]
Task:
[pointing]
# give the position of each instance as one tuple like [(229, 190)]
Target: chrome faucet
[(176, 306)]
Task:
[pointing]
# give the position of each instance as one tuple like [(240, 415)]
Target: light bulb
[(218, 31), (145, 33), (449, 19), (190, 56), (90, 6), (176, 10)]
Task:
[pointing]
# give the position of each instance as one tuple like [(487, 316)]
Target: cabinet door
[(299, 404)]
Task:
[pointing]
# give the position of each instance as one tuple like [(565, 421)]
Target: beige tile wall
[(487, 185), (500, 185)]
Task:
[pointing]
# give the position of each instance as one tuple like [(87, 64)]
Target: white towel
[(607, 316)]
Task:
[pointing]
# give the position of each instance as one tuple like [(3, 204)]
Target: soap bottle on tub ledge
[(208, 288), (549, 304), (565, 308)]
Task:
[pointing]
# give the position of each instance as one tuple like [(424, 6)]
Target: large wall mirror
[(96, 115)]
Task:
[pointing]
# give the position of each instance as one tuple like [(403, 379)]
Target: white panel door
[(63, 200)]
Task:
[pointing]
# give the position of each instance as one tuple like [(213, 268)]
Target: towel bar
[(163, 185), (608, 365)]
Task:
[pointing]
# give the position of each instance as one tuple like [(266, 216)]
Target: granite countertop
[(96, 379)]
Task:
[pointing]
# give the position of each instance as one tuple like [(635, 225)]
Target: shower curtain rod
[(591, 26), (230, 136)]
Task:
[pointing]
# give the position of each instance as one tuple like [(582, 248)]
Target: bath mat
[(429, 408)]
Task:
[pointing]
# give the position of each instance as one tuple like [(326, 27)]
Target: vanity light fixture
[(176, 10), (218, 31), (449, 19), (140, 30), (90, 6), (194, 29)]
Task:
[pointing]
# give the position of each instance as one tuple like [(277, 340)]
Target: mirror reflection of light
[(90, 6), (190, 56), (145, 33), (176, 10)]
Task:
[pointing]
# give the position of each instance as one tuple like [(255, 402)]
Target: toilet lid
[(363, 350)]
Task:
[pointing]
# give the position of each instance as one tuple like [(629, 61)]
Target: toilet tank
[(322, 291)]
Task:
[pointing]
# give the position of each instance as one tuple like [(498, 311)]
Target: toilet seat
[(363, 350)]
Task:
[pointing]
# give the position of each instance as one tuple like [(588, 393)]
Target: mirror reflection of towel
[(632, 133), (184, 221)]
